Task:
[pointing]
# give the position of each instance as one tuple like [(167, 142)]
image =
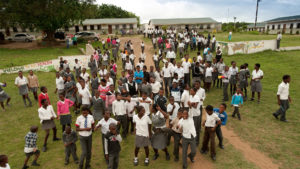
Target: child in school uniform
[(185, 96), (144, 101), (85, 94), (98, 107), (223, 117), (233, 72), (208, 76), (95, 82), (186, 124), (77, 68), (119, 111), (176, 133), (110, 98), (143, 134), (4, 162), (31, 147), (84, 126), (33, 84), (130, 110), (70, 138), (172, 109), (22, 83), (225, 81), (43, 95), (194, 111), (243, 81), (60, 84), (3, 96), (211, 123), (63, 111), (236, 102), (112, 146)]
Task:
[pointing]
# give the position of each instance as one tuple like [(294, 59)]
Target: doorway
[(109, 29), (187, 27), (284, 27), (76, 29)]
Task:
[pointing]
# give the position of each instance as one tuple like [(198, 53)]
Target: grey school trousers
[(284, 106), (219, 135), (113, 161), (168, 82), (225, 91), (185, 144), (197, 124), (71, 149), (124, 123), (86, 150)]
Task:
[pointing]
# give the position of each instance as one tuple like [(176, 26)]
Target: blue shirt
[(140, 75), (222, 116), (237, 99)]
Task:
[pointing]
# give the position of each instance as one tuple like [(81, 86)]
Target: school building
[(289, 24), (199, 24), (260, 27)]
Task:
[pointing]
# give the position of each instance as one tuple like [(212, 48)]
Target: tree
[(48, 15)]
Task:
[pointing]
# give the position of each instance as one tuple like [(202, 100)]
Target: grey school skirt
[(159, 139), (23, 90), (242, 84), (48, 124), (97, 115), (65, 119), (3, 97), (214, 75), (232, 79), (256, 86), (141, 141), (104, 63), (33, 89), (208, 79)]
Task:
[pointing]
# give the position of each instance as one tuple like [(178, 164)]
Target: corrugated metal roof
[(182, 21), (287, 18), (109, 21), (261, 24)]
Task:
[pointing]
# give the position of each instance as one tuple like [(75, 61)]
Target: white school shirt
[(141, 64), (179, 71), (142, 44), (233, 71), (257, 74), (283, 91), (86, 95), (220, 67), (85, 76), (46, 114), (171, 55), (185, 98), (102, 73), (145, 105), (208, 71), (226, 76), (60, 83), (21, 81), (199, 58), (143, 56), (211, 120), (175, 111), (110, 81), (105, 57), (214, 39), (167, 72), (188, 127), (105, 124), (129, 107), (155, 87), (279, 36), (186, 67), (157, 77), (142, 125), (194, 111), (128, 66), (80, 123), (201, 94), (181, 45), (6, 167), (155, 57), (77, 66), (118, 108), (123, 55), (132, 56)]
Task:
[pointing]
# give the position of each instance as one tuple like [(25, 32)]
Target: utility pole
[(256, 13), (234, 18)]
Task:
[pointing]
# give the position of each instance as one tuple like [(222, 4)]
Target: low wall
[(246, 47)]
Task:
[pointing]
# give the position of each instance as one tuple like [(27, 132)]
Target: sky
[(220, 10)]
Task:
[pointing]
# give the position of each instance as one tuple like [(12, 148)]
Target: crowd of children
[(154, 105)]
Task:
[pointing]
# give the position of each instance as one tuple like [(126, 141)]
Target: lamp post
[(234, 18)]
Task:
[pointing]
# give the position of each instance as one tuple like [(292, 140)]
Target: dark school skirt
[(23, 90), (66, 119), (141, 141), (3, 97), (159, 139), (48, 124), (256, 86), (208, 79)]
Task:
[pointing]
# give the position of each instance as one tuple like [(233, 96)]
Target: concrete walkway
[(289, 48)]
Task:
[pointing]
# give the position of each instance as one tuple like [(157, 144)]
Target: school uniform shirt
[(102, 73), (211, 120), (143, 56), (43, 96), (128, 66), (60, 85), (140, 64), (105, 57), (179, 71), (171, 55), (220, 67), (194, 111), (86, 95), (208, 71), (186, 67), (283, 91), (237, 99), (112, 143), (175, 123), (222, 116), (145, 105), (181, 45), (233, 71), (105, 124), (188, 128), (46, 114), (155, 87), (21, 81), (118, 108), (175, 111), (167, 71), (129, 108), (201, 94), (226, 76), (157, 77), (85, 76), (175, 92), (132, 56), (139, 74), (185, 98), (257, 74), (33, 81), (6, 166), (155, 57), (199, 58), (141, 125), (80, 122)]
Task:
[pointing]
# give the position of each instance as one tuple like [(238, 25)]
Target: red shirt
[(43, 96)]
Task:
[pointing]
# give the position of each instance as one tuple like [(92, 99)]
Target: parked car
[(22, 37), (87, 36)]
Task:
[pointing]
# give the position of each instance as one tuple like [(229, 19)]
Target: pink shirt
[(64, 106), (96, 57), (115, 67), (109, 100), (103, 90), (114, 42)]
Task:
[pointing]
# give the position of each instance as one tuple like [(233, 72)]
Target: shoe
[(233, 116), (252, 99), (135, 162), (155, 156), (44, 149), (191, 158), (56, 139), (275, 115), (214, 158), (66, 163), (34, 163), (30, 104), (203, 152), (146, 162), (284, 120), (176, 159), (25, 167), (168, 157), (221, 146), (88, 167)]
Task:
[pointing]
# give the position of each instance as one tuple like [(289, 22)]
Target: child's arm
[(119, 138), (149, 130)]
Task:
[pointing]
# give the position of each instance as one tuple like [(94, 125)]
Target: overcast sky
[(244, 10)]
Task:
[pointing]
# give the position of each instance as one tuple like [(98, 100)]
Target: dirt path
[(252, 155)]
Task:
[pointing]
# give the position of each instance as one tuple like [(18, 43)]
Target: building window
[(91, 27), (84, 28), (117, 27), (208, 26), (278, 26), (268, 27), (298, 26), (291, 26), (15, 29), (273, 27), (124, 26), (131, 26), (66, 28), (99, 27), (201, 26)]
